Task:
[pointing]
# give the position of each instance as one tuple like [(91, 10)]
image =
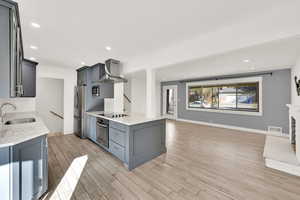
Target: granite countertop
[(131, 119), (17, 133)]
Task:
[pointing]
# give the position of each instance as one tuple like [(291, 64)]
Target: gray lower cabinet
[(11, 50), (132, 144), (117, 150), (27, 167), (5, 173), (91, 129), (137, 144)]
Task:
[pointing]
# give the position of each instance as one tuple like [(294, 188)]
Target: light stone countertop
[(131, 119), (17, 133)]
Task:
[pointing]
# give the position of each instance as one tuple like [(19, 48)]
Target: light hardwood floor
[(201, 163)]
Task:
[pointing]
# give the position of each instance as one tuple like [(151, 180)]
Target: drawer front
[(117, 150), (118, 126), (117, 136)]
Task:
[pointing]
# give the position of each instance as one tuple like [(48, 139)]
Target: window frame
[(227, 82)]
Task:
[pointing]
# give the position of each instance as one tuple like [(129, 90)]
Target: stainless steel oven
[(102, 128)]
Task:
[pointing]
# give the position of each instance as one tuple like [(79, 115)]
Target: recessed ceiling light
[(82, 63), (108, 48), (246, 60), (33, 47), (35, 25), (32, 58)]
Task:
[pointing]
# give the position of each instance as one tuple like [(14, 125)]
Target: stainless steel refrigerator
[(79, 111)]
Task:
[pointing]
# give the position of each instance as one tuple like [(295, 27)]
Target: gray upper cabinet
[(82, 76), (98, 71), (4, 51), (29, 78), (11, 50)]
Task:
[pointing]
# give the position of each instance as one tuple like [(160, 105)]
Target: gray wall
[(276, 94), (96, 103)]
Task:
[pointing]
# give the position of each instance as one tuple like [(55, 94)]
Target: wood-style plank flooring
[(201, 163)]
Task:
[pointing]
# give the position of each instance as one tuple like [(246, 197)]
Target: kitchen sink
[(20, 121)]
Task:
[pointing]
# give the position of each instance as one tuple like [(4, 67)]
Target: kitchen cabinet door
[(30, 169), (4, 172), (92, 131), (11, 50), (88, 126), (29, 78), (95, 73), (4, 52), (82, 76)]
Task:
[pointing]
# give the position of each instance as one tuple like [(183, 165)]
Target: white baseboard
[(288, 168), (232, 127)]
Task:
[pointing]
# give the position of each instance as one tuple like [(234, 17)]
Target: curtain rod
[(242, 75)]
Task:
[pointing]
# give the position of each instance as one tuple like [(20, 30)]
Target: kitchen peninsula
[(133, 139)]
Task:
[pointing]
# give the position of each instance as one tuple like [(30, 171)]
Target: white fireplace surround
[(294, 111), (279, 153)]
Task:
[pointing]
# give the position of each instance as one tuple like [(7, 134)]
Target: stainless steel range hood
[(112, 72)]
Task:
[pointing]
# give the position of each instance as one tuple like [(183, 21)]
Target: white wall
[(127, 92), (138, 95), (70, 78), (295, 72), (135, 89), (50, 97)]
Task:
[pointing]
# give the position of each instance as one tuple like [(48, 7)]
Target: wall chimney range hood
[(112, 72)]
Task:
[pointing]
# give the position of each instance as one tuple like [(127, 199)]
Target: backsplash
[(22, 104)]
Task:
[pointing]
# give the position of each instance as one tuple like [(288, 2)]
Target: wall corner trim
[(250, 130)]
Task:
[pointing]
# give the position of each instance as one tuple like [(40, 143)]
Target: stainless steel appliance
[(114, 115), (102, 134), (79, 111), (112, 72)]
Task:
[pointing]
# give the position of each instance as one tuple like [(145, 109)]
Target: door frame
[(164, 106)]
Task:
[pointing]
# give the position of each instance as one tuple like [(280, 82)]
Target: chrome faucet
[(2, 113)]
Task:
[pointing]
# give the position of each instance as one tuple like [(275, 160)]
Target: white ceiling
[(274, 55), (76, 31)]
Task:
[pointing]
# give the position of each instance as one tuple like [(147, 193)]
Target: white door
[(170, 101)]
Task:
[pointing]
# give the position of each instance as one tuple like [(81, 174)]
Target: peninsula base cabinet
[(133, 144), (24, 170), (136, 144)]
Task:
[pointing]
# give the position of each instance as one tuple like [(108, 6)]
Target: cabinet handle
[(22, 90)]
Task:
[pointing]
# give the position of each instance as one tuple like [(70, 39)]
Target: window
[(224, 95)]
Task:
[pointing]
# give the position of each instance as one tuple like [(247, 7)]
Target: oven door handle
[(102, 125)]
